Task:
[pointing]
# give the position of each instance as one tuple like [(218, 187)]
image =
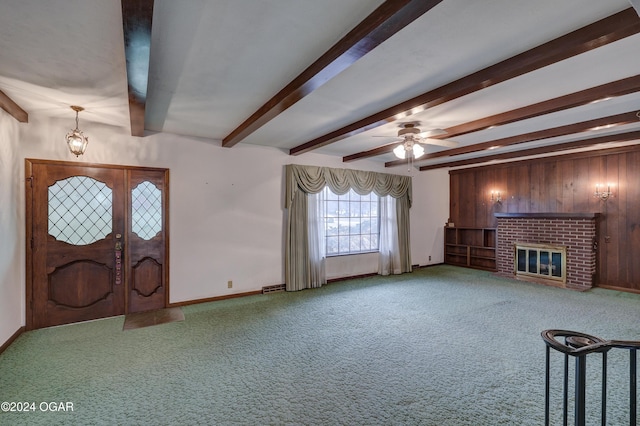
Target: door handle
[(118, 261)]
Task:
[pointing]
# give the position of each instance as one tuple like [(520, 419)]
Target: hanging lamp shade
[(76, 140), (400, 151), (418, 150)]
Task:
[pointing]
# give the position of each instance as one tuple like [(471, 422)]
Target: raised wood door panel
[(146, 240), (74, 273), (97, 241)]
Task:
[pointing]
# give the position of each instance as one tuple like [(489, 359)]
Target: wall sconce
[(496, 197), (76, 141), (601, 194)]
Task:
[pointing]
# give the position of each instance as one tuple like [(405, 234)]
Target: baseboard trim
[(12, 339), (214, 299), (256, 292), (430, 265), (623, 289)]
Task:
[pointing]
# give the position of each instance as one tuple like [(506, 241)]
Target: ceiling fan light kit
[(409, 147)]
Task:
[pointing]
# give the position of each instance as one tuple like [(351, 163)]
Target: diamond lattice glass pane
[(79, 210), (146, 210)]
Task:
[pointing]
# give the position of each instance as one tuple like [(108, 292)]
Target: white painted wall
[(429, 212), (226, 206), (11, 248)]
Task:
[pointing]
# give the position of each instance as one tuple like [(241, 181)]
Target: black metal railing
[(579, 345)]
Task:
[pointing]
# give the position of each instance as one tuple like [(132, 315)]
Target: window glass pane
[(351, 224), (332, 245), (533, 261), (374, 241), (556, 264), (354, 209), (365, 241), (354, 226), (344, 243), (354, 243), (343, 226), (522, 260), (331, 226), (365, 209), (332, 209), (544, 262), (343, 210)]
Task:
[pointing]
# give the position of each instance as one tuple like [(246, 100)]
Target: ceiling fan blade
[(441, 142), (433, 132), (391, 139)]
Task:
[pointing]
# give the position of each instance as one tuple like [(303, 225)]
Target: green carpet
[(441, 346)]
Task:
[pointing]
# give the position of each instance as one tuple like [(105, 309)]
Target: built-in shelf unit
[(470, 247)]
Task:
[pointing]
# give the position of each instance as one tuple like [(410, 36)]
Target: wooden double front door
[(96, 241)]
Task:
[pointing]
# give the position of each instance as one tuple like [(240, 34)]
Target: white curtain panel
[(389, 260), (315, 224)]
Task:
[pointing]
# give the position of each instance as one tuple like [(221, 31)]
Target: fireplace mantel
[(549, 215)]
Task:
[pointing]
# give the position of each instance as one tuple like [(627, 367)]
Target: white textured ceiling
[(215, 62)]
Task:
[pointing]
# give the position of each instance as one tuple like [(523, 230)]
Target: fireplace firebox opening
[(541, 261)]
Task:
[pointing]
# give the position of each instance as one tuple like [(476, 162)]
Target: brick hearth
[(577, 232)]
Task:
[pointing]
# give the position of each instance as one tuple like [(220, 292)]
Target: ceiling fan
[(412, 137)]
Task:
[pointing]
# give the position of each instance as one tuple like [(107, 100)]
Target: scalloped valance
[(311, 180)]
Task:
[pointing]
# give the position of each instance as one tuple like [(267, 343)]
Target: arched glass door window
[(80, 210), (146, 210)]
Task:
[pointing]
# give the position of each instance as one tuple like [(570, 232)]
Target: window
[(351, 222)]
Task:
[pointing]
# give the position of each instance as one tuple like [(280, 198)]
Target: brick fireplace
[(575, 231)]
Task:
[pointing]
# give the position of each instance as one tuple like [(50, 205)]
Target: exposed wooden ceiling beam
[(621, 137), (615, 27), (569, 129), (621, 87), (384, 22), (14, 110), (137, 17), (381, 150), (573, 100)]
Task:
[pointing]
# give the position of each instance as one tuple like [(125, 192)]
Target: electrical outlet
[(229, 284)]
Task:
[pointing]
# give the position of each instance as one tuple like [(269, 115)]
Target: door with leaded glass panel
[(146, 242), (96, 241)]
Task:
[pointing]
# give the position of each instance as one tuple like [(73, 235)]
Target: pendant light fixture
[(75, 139)]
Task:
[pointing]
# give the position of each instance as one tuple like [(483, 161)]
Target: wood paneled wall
[(564, 184)]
